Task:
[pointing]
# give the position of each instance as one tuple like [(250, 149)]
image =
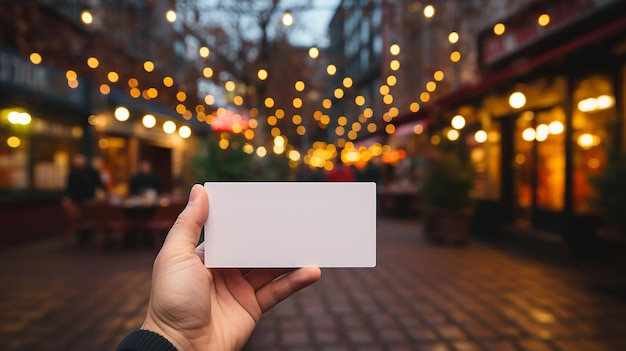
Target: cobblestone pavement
[(419, 297)]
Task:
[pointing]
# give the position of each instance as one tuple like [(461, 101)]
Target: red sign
[(229, 121)]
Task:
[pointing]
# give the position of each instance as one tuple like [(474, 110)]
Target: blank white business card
[(290, 224)]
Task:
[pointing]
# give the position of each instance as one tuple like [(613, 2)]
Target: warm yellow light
[(331, 69), (414, 107), (528, 134), (314, 52), (269, 102), (371, 127), (391, 80), (133, 83), (148, 121), (390, 129), (238, 100), (181, 96), (542, 132), (261, 151), (368, 112), (134, 92), (452, 134), (424, 97), (339, 130), (294, 155), (287, 18), (394, 65), (455, 56), (458, 122), (170, 16), (418, 129), (556, 127), (299, 85), (347, 82), (431, 86), (104, 89), (297, 102), (169, 127), (71, 75), (113, 77), (326, 103), (253, 123), (21, 118), (384, 89), (223, 144), (271, 120), (204, 52), (86, 17), (168, 82), (338, 93), (543, 20), (280, 113), (359, 100), (342, 120), (181, 108), (148, 66), (517, 100), (388, 99), (209, 99), (207, 72), (229, 85), (480, 136), (248, 149), (13, 142), (122, 114), (394, 49), (93, 62), (262, 74), (438, 75), (435, 139), (184, 132), (604, 101), (499, 28), (429, 11), (585, 140), (296, 119), (35, 58), (453, 37)]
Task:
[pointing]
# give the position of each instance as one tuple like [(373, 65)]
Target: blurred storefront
[(127, 132), (543, 120), (42, 123), (47, 116)]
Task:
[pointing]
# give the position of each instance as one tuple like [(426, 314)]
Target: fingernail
[(193, 194)]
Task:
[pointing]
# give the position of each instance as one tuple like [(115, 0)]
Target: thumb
[(185, 232)]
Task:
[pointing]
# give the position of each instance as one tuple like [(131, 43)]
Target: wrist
[(169, 333)]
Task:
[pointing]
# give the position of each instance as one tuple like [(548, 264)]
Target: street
[(419, 297)]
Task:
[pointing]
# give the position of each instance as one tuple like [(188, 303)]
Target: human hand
[(199, 308)]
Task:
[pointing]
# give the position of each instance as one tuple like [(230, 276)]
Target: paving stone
[(419, 297)]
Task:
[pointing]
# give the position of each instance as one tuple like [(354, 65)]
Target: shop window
[(34, 151), (594, 124), (550, 140), (523, 165)]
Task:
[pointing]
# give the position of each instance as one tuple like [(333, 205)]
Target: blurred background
[(509, 111)]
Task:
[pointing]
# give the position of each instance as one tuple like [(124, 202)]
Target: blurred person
[(145, 180), (106, 174), (341, 173), (83, 180), (192, 307)]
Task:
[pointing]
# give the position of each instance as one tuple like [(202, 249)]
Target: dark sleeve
[(145, 340)]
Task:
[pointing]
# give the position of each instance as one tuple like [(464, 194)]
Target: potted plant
[(610, 202), (448, 180)]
